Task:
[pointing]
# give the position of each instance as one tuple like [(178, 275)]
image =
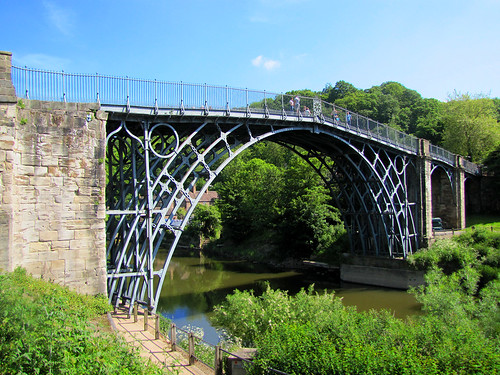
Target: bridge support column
[(425, 217), (459, 189), (52, 179)]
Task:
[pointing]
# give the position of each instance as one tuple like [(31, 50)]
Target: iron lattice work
[(152, 167)]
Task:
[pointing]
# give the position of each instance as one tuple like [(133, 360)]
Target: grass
[(47, 329), (483, 221)]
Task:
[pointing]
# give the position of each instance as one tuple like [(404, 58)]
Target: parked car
[(437, 223)]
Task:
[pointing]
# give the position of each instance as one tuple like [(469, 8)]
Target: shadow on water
[(194, 285)]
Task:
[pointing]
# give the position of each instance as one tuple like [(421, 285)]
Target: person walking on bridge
[(291, 104), (297, 104)]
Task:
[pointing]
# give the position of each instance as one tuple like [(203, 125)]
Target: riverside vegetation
[(313, 333), (47, 329)]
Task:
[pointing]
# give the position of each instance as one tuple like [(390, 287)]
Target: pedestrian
[(291, 104), (348, 118), (307, 112), (335, 115), (297, 104)]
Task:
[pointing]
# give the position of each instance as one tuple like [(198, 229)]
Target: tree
[(205, 223), (310, 225), (340, 90), (470, 126), (492, 165), (248, 196), (427, 121)]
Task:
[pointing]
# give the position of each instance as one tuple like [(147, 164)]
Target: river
[(195, 284)]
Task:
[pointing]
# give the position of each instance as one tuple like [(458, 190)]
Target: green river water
[(195, 284)]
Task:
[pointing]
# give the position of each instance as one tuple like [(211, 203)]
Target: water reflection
[(195, 284)]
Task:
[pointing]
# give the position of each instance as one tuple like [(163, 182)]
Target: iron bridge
[(162, 138)]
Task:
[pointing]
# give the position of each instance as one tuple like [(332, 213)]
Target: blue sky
[(433, 47)]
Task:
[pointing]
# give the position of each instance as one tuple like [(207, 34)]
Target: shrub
[(45, 329)]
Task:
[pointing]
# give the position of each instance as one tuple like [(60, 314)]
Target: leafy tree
[(496, 102), (426, 120), (205, 223), (247, 196), (310, 225), (470, 126), (492, 165), (340, 90)]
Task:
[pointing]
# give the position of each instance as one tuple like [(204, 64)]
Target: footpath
[(157, 350)]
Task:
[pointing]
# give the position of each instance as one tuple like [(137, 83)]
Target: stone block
[(26, 170), (49, 236), (66, 234), (84, 190), (79, 244), (6, 145), (60, 245), (40, 181), (83, 234), (31, 159), (40, 171), (54, 170), (37, 247)]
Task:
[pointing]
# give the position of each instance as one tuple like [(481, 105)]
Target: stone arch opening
[(443, 198)]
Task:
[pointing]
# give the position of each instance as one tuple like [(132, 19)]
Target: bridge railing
[(441, 154), (124, 91)]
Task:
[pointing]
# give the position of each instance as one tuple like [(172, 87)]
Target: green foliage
[(202, 350), (23, 121), (426, 120), (447, 255), (46, 329), (477, 251), (492, 166), (470, 126), (247, 198), (247, 316), (339, 91), (271, 192), (310, 225), (21, 104), (205, 223), (314, 333)]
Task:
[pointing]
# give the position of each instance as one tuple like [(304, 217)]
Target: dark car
[(437, 223)]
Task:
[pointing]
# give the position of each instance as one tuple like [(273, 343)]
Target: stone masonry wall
[(52, 213)]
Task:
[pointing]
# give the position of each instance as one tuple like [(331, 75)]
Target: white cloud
[(257, 61), (271, 64), (59, 18), (268, 64)]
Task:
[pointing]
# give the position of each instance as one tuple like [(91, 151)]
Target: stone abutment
[(52, 184)]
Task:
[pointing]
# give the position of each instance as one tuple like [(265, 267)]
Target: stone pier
[(52, 184)]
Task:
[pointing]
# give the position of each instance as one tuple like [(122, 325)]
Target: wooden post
[(157, 327), (146, 319), (173, 345), (218, 360), (136, 306), (191, 348)]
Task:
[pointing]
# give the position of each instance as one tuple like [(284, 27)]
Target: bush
[(46, 329), (313, 333)]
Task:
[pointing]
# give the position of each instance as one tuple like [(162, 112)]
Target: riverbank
[(48, 329), (374, 271)]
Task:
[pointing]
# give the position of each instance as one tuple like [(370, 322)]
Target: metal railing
[(213, 357), (124, 91), (443, 155)]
